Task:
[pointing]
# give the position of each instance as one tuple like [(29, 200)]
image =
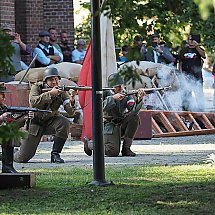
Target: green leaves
[(9, 132), (130, 75), (6, 51)]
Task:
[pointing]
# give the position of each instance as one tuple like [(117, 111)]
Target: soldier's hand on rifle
[(55, 91), (30, 115), (118, 96), (72, 94), (140, 94), (5, 116)]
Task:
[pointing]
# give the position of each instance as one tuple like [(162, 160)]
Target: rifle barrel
[(148, 90)]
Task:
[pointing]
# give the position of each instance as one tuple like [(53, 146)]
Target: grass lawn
[(137, 190)]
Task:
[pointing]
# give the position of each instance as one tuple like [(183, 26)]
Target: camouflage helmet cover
[(115, 80)]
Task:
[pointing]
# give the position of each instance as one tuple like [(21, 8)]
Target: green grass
[(137, 190)]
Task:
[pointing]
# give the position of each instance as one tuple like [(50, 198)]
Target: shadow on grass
[(137, 190)]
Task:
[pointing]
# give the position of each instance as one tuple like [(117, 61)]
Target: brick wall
[(59, 14), (29, 17), (7, 13)]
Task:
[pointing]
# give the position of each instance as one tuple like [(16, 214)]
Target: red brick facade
[(28, 17), (7, 12)]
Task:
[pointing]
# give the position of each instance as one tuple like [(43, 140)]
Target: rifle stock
[(148, 90)]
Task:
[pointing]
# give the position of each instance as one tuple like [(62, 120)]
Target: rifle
[(28, 69), (81, 88), (148, 90), (16, 109)]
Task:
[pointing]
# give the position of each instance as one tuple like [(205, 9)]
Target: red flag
[(85, 97)]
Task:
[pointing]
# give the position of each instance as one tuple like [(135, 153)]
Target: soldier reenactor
[(121, 118), (5, 118), (47, 123)]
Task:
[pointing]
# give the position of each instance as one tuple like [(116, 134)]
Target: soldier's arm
[(69, 103), (38, 99)]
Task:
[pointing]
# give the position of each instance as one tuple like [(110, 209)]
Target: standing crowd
[(48, 51)]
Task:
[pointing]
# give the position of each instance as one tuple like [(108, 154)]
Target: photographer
[(158, 53), (19, 48), (190, 64)]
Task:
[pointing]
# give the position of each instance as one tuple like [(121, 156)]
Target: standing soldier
[(121, 118), (47, 123), (8, 146)]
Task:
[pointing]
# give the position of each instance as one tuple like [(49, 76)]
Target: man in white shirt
[(79, 53), (47, 53)]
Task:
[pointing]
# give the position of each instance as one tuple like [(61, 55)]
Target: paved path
[(160, 151)]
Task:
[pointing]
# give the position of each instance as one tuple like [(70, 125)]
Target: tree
[(7, 131), (173, 19), (5, 54)]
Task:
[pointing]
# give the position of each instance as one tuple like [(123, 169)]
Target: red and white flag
[(108, 60)]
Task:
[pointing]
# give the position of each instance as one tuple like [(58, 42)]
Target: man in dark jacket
[(158, 53)]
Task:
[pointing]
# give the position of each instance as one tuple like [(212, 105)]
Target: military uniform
[(120, 120), (45, 123), (8, 146)]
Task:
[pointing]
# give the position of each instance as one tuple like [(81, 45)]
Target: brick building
[(28, 17)]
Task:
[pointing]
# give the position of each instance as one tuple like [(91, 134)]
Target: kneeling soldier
[(47, 123), (121, 118)]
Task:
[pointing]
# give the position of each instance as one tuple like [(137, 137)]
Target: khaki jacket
[(44, 101)]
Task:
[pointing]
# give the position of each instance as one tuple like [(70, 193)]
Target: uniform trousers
[(127, 128), (58, 126)]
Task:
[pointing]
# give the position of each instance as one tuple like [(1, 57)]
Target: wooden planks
[(181, 123)]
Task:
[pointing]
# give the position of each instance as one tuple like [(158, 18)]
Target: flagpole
[(98, 142)]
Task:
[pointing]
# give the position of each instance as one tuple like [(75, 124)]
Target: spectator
[(137, 50), (47, 53), (190, 64), (123, 53), (20, 48), (53, 38), (79, 53), (65, 49), (158, 52)]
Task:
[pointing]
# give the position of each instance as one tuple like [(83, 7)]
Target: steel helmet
[(51, 72), (115, 80)]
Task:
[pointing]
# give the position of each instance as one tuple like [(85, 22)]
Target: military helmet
[(115, 80), (50, 72)]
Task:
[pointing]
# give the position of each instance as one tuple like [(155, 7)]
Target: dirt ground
[(158, 151)]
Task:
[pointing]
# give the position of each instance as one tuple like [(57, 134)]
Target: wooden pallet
[(181, 123)]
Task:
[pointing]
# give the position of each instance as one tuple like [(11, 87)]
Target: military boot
[(7, 159), (87, 146), (126, 151), (56, 150)]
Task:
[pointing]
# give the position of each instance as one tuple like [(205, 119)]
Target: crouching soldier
[(121, 118), (8, 145), (47, 123)]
